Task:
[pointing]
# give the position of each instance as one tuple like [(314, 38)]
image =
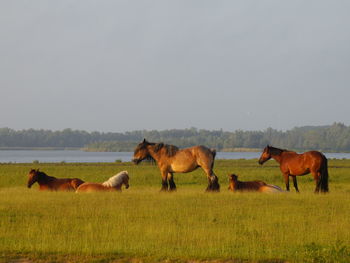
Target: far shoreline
[(84, 149)]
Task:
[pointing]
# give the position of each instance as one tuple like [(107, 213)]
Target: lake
[(28, 156)]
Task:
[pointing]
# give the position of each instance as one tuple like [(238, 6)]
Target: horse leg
[(171, 182), (295, 183), (317, 177), (209, 187), (286, 181), (213, 181), (164, 181)]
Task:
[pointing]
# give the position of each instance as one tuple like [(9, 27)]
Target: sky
[(117, 66)]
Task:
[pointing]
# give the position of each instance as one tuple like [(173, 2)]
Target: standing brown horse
[(171, 159), (52, 183), (294, 164)]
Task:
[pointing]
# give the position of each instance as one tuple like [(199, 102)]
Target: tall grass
[(143, 223)]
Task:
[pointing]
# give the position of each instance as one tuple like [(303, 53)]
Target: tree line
[(335, 137)]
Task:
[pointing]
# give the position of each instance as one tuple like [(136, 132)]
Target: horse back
[(67, 184), (250, 186), (203, 153), (94, 187), (300, 164), (56, 184), (188, 159)]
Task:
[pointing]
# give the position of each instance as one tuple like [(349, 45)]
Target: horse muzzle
[(136, 161), (126, 186)]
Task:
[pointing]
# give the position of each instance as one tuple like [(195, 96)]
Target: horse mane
[(40, 173), (277, 151), (116, 179), (170, 150)]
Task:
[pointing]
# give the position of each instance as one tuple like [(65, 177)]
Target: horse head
[(232, 181), (141, 152), (32, 177), (266, 155), (126, 181), (233, 177)]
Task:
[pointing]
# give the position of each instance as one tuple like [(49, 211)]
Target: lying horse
[(257, 186), (171, 159), (112, 184), (51, 183), (294, 164)]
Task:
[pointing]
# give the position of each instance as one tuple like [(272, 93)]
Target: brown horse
[(114, 183), (51, 183), (171, 159), (253, 186), (294, 164)]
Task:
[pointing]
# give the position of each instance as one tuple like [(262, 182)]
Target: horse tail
[(275, 187), (213, 152), (324, 175)]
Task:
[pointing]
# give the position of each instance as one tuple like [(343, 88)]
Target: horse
[(170, 159), (52, 183), (294, 164), (112, 184), (251, 186)]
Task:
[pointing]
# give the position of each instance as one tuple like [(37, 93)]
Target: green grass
[(142, 224)]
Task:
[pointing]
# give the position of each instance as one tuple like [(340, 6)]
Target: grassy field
[(143, 225)]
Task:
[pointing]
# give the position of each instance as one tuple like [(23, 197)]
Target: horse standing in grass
[(52, 183), (294, 164), (171, 159), (114, 183), (253, 186)]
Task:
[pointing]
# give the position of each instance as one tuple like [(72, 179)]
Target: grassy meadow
[(142, 224)]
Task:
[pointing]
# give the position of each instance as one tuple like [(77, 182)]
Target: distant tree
[(335, 137)]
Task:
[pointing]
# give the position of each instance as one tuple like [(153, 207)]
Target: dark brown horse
[(52, 183), (171, 159), (251, 186), (294, 164)]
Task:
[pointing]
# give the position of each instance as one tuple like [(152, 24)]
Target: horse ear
[(144, 140)]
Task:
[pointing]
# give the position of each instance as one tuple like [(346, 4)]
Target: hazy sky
[(129, 65)]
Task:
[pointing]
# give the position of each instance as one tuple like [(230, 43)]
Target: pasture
[(142, 224)]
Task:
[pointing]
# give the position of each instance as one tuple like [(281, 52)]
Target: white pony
[(114, 183), (118, 179)]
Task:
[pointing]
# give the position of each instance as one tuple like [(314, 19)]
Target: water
[(28, 156)]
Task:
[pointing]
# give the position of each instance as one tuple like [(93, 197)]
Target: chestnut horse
[(112, 184), (52, 183), (171, 159), (294, 164), (257, 186)]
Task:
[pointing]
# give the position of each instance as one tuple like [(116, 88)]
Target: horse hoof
[(209, 188)]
